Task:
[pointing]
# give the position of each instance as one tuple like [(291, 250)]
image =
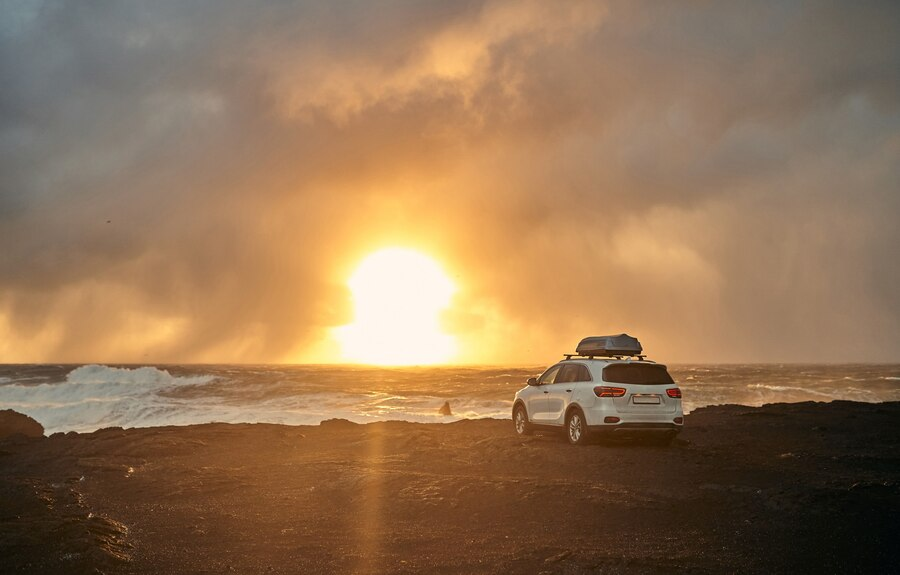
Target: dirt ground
[(786, 488)]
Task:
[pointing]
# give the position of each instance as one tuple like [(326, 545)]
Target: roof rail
[(640, 357)]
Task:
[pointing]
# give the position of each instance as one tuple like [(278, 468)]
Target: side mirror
[(532, 381)]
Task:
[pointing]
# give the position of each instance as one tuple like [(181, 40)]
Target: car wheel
[(576, 427), (520, 419)]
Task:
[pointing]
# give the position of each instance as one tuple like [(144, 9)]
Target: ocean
[(85, 398)]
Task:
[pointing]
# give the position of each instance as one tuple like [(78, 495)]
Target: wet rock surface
[(14, 423), (782, 488)]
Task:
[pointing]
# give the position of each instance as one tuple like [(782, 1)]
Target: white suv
[(605, 387)]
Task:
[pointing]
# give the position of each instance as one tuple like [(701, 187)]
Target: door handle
[(568, 391), (546, 392)]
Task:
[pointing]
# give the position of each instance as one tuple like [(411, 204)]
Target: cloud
[(453, 59), (195, 183)]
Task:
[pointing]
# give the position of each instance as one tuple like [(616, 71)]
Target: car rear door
[(560, 391)]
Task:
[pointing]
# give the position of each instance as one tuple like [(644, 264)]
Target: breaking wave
[(102, 375), (95, 396)]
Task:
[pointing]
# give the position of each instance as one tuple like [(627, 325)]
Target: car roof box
[(609, 346)]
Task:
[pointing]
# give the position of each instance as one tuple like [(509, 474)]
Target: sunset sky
[(199, 181)]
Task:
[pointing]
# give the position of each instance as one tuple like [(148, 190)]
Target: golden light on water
[(398, 297)]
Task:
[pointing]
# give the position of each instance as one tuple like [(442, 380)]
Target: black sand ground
[(784, 488)]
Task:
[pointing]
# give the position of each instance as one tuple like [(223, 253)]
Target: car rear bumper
[(636, 428)]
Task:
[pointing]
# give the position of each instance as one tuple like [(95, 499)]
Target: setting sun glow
[(398, 297)]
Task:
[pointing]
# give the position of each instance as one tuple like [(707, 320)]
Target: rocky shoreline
[(786, 488)]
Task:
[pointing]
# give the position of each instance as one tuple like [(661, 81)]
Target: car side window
[(583, 374), (566, 374), (573, 372), (549, 375)]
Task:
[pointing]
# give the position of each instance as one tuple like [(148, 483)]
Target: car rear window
[(637, 373)]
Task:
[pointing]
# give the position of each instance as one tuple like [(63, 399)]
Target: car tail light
[(607, 391), (610, 419), (679, 420), (674, 392)]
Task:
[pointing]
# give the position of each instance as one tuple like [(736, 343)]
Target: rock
[(337, 423), (558, 557), (13, 423)]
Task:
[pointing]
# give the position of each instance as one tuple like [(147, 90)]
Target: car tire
[(520, 421), (576, 427)]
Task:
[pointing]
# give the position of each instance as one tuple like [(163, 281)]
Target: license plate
[(645, 399)]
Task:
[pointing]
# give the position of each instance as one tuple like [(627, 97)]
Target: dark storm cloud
[(191, 182)]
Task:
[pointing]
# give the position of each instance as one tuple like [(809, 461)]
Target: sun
[(398, 297)]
